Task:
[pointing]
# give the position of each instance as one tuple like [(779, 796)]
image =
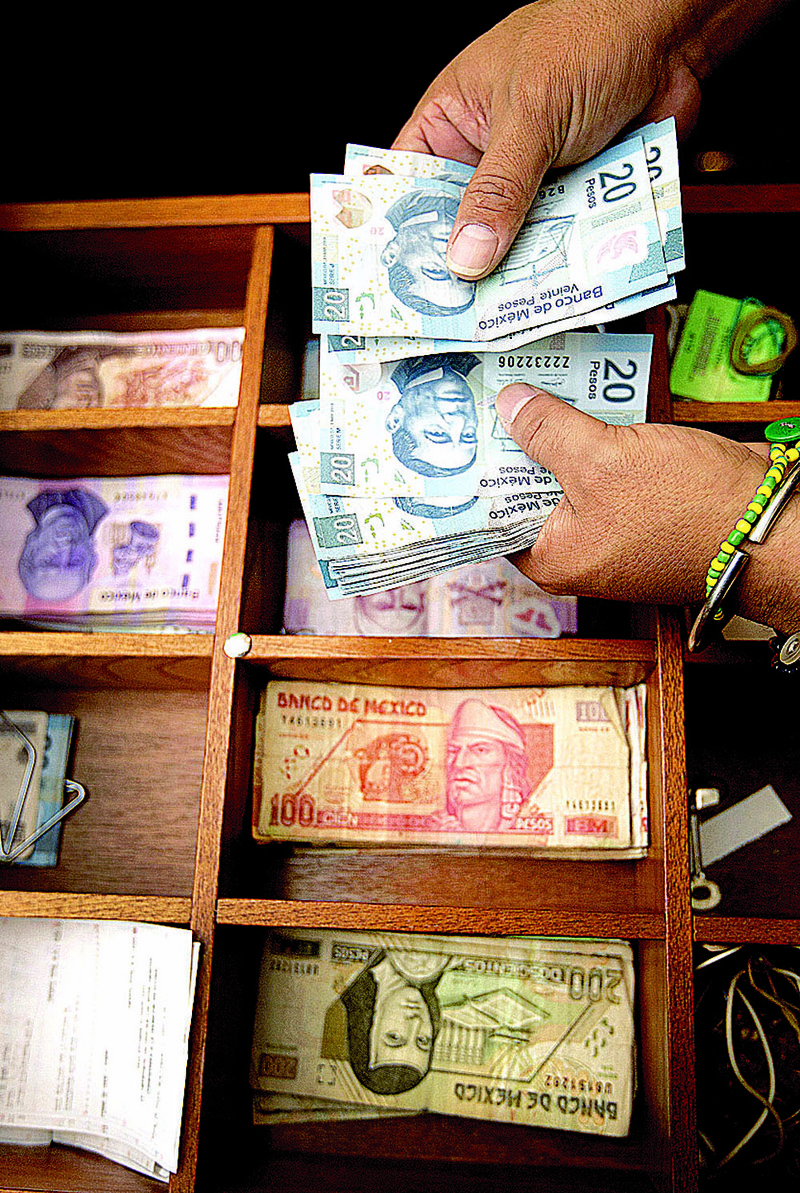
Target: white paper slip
[(94, 1036), (746, 821)]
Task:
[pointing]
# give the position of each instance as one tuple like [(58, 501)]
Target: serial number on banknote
[(533, 362), (308, 721), (590, 805), (577, 1085)]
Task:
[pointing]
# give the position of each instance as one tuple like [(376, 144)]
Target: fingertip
[(473, 251), (513, 399)]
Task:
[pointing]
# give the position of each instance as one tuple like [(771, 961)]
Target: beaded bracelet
[(780, 459), (778, 484)]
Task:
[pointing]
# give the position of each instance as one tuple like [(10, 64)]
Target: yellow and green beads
[(781, 456)]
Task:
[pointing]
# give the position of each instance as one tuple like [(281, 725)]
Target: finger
[(431, 131), (553, 433), (498, 197), (412, 136)]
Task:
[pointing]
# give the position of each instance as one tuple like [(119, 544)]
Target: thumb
[(552, 432), (496, 201)]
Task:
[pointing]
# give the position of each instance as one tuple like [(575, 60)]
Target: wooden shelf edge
[(447, 1139), (744, 930), (274, 415), (176, 417), (194, 210), (154, 909), (463, 921), (685, 411), (741, 198), (75, 644), (265, 647)]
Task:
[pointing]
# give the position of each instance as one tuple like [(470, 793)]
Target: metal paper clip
[(9, 852)]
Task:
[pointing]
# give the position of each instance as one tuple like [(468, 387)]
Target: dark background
[(219, 102)]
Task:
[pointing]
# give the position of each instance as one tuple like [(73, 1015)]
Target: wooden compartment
[(74, 275), (601, 891), (468, 1153), (757, 881), (137, 749), (733, 234)]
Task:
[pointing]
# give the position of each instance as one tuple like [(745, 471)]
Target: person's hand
[(645, 509), (551, 85)]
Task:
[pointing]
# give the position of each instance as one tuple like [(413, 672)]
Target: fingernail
[(473, 250), (512, 399)]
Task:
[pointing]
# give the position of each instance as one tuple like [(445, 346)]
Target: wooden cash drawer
[(166, 741)]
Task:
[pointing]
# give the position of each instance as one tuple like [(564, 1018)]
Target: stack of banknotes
[(490, 599), (402, 466), (50, 735), (79, 370), (543, 770), (112, 553), (523, 1030)]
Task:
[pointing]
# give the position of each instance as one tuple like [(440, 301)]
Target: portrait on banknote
[(486, 766), (58, 556), (386, 1021), (70, 382), (434, 422), (415, 257)]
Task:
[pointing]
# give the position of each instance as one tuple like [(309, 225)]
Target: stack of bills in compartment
[(523, 1030), (551, 771), (403, 469), (95, 1037), (490, 599), (133, 553), (79, 370)]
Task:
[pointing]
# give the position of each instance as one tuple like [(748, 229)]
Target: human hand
[(551, 85), (645, 508)]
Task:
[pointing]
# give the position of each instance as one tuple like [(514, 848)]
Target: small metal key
[(706, 895)]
